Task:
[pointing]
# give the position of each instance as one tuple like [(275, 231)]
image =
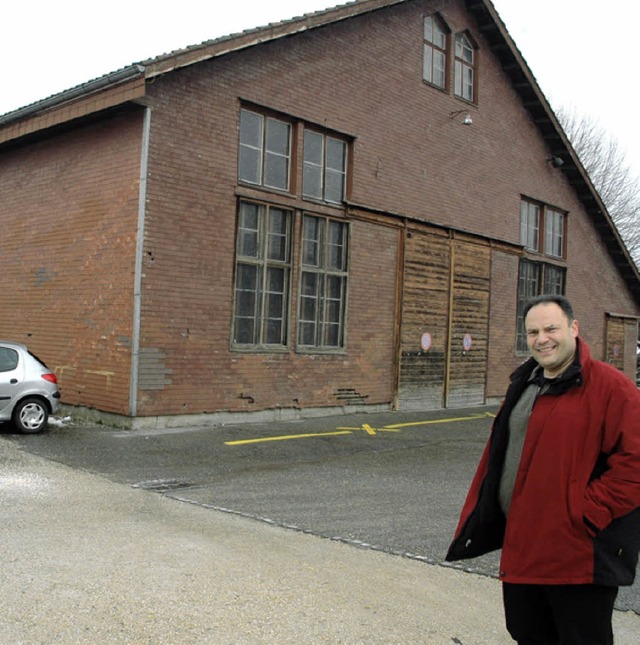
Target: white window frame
[(322, 178), (322, 299), (262, 155), (464, 68), (435, 49)]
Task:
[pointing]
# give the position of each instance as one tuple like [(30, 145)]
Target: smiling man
[(558, 487), (551, 336)]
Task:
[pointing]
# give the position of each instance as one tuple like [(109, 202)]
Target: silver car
[(28, 389)]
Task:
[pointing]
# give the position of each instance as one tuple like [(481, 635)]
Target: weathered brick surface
[(360, 77), (409, 157), (70, 206)]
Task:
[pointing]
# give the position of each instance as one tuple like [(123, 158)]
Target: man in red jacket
[(558, 487)]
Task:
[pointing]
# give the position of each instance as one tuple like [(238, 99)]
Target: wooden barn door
[(466, 369), (444, 323)]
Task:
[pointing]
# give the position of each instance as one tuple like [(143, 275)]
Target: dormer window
[(449, 63), (435, 52), (464, 68)]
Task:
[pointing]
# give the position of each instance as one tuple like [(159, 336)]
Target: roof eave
[(236, 42), (80, 91)]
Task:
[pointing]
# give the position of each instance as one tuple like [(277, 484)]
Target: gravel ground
[(85, 560)]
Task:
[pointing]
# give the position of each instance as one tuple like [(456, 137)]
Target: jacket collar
[(572, 376)]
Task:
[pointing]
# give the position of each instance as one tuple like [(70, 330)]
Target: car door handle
[(13, 381)]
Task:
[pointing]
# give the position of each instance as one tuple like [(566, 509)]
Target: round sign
[(425, 341), (467, 342)]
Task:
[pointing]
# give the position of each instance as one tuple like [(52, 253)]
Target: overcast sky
[(582, 53)]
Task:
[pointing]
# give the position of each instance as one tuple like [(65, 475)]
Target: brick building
[(344, 209)]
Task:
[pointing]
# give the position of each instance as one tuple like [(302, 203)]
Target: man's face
[(551, 337)]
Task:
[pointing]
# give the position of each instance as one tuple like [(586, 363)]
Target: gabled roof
[(235, 42), (489, 24), (525, 84)]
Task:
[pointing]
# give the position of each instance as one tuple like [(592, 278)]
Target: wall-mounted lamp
[(556, 162), (467, 120)]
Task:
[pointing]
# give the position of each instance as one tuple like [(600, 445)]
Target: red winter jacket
[(575, 512)]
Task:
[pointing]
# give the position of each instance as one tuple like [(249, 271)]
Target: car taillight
[(50, 377)]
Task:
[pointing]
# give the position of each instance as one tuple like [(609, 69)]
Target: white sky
[(581, 52)]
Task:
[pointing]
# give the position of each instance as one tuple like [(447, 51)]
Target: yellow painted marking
[(351, 429), (432, 421), (375, 431), (285, 437)]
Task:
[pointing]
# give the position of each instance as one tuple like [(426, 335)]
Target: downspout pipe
[(137, 285)]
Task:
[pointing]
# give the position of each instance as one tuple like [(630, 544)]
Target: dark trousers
[(559, 614)]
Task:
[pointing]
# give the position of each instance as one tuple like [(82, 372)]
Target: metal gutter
[(114, 78)]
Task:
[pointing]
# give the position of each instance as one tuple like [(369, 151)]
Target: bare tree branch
[(608, 169)]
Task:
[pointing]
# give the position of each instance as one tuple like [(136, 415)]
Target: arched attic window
[(436, 34), (464, 77)]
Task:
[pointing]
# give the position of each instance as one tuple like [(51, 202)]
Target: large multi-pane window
[(542, 229), (464, 68), (435, 52), (263, 312), (542, 233), (263, 270), (323, 283), (265, 150), (324, 167)]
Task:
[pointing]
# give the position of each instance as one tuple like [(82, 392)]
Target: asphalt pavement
[(324, 530)]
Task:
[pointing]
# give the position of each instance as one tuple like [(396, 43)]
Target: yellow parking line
[(432, 421), (285, 437), (350, 430)]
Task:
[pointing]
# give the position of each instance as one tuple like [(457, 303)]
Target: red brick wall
[(409, 157), (69, 210), (361, 77), (187, 313)]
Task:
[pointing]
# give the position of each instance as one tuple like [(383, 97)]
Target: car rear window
[(8, 359)]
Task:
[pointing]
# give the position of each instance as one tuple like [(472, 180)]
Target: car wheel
[(30, 415)]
